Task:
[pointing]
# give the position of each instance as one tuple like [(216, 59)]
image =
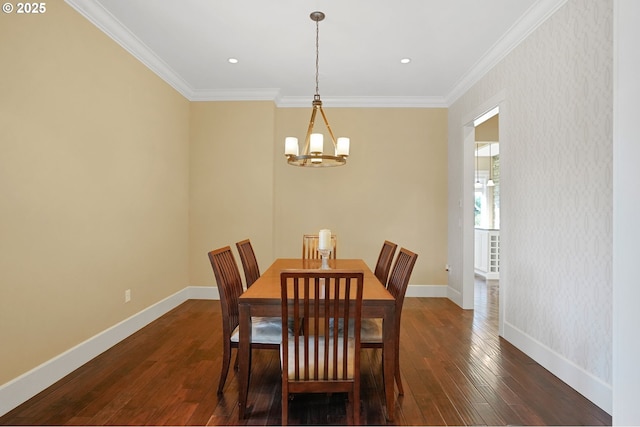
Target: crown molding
[(538, 13), (95, 13), (235, 95), (365, 101)]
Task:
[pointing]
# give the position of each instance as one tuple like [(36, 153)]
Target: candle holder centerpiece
[(324, 256), (324, 248)]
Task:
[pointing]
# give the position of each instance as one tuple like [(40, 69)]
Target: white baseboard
[(454, 295), (577, 378), (24, 387), (27, 385), (203, 292), (426, 291)]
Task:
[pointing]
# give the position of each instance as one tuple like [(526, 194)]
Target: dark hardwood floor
[(455, 369)]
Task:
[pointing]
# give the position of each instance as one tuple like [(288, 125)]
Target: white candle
[(324, 239), (342, 148), (291, 146), (316, 144)]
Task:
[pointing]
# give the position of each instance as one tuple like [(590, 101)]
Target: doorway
[(462, 291), (487, 209), (487, 196)]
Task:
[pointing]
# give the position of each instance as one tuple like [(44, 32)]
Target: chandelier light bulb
[(342, 148), (291, 146), (317, 143)]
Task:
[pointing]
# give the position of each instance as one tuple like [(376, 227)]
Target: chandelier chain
[(317, 55)]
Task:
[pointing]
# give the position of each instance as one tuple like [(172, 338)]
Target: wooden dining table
[(263, 298)]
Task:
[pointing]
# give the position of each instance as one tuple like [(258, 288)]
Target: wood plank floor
[(455, 370)]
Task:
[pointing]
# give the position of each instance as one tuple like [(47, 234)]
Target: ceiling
[(451, 43)]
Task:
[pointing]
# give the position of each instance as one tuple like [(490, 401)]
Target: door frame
[(468, 225)]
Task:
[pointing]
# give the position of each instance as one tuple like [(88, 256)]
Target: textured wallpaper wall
[(562, 173), (556, 182)]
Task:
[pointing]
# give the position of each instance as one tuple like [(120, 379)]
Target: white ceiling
[(451, 44)]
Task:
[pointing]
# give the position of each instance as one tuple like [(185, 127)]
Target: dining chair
[(319, 358), (310, 246), (397, 286), (266, 333), (251, 274), (385, 259), (249, 261)]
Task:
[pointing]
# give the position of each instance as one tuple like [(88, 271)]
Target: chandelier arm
[(307, 139), (308, 161), (326, 122), (312, 121)]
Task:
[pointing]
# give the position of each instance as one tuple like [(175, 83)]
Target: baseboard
[(454, 295), (203, 292), (24, 387), (577, 378), (27, 385), (427, 291)]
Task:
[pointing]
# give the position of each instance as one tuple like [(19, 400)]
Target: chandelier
[(313, 154)]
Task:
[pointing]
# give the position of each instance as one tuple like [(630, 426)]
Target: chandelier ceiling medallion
[(313, 154)]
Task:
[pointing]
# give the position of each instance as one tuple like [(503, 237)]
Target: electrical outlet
[(127, 295)]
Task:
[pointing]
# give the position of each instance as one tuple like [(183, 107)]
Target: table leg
[(244, 357), (389, 359)]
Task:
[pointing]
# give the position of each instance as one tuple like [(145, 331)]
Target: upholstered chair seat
[(266, 330), (321, 360), (371, 331)]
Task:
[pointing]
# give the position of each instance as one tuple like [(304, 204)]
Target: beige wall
[(393, 187), (231, 190), (93, 186), (488, 130)]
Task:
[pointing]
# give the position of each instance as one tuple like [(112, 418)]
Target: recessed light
[(405, 60), (233, 60)]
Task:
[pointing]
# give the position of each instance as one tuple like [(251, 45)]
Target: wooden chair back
[(397, 286), (249, 262), (265, 333), (230, 288), (310, 246), (385, 259), (229, 283), (399, 279), (324, 355)]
